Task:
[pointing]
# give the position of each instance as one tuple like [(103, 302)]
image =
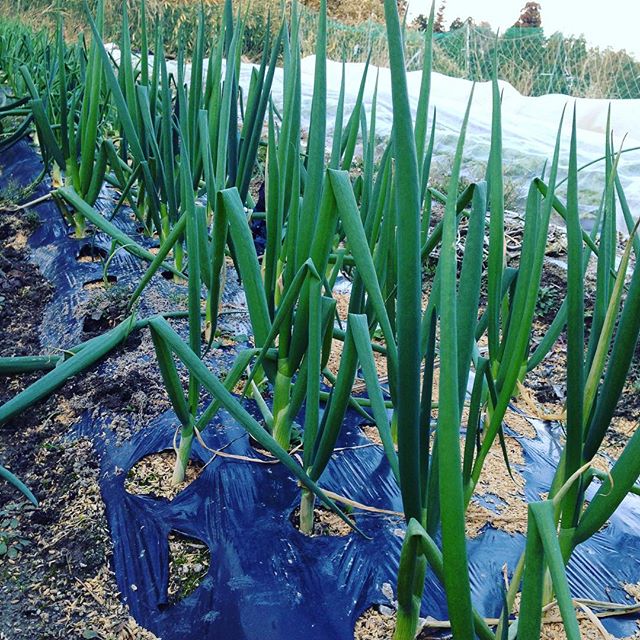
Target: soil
[(501, 491), (106, 307), (376, 624), (152, 476), (189, 561), (55, 577), (24, 294), (325, 523)]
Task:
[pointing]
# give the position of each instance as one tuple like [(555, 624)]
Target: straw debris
[(152, 476), (325, 523), (505, 494), (189, 561)]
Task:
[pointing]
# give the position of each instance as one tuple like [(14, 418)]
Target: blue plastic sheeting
[(601, 565), (55, 250), (266, 580)]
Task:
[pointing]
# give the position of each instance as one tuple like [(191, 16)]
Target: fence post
[(468, 48)]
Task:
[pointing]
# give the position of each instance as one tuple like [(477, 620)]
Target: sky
[(604, 23)]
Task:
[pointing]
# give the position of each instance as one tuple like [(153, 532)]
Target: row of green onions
[(174, 151)]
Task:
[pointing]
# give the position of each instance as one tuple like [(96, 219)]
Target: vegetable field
[(268, 372)]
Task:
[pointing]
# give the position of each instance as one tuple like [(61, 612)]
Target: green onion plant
[(182, 151)]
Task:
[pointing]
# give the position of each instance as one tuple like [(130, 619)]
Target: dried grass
[(152, 475)]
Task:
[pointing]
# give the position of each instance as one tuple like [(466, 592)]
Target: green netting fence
[(533, 62)]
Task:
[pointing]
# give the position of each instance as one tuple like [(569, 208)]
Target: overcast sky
[(605, 23)]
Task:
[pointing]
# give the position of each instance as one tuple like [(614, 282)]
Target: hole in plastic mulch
[(89, 231), (152, 475), (295, 446), (371, 433), (325, 523), (100, 283), (189, 560), (91, 253)]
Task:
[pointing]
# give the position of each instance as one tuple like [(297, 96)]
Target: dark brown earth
[(55, 578)]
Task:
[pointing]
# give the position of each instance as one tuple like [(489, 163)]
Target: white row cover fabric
[(529, 124)]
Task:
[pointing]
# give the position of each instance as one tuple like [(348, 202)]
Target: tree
[(420, 22), (438, 24), (530, 16), (458, 23), (354, 13)]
